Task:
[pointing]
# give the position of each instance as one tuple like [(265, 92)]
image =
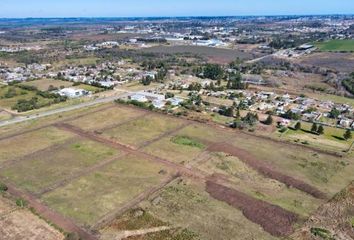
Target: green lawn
[(336, 45)]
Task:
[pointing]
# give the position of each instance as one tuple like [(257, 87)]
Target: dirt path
[(274, 219), (66, 224), (266, 170), (127, 234), (134, 202)]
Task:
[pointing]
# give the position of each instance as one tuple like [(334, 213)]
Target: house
[(139, 98), (72, 93), (175, 101), (159, 103), (346, 123)]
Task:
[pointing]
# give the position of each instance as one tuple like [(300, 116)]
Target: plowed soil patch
[(274, 220), (266, 169)]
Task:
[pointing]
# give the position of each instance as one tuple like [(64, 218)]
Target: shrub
[(3, 187)]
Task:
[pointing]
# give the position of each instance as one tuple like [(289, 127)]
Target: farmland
[(336, 46), (113, 168)]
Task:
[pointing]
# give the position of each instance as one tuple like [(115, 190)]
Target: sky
[(156, 8)]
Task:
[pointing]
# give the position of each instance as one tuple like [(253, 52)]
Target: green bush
[(3, 187), (187, 141)]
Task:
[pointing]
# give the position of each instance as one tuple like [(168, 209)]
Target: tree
[(298, 126), (348, 134), (334, 113), (213, 71), (269, 120), (320, 130), (314, 128)]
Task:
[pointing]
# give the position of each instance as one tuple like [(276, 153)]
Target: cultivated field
[(336, 46), (115, 170)]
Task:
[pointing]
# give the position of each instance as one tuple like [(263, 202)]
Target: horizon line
[(187, 16)]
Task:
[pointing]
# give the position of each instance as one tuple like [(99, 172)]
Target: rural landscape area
[(177, 128)]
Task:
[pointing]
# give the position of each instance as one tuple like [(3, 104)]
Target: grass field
[(105, 118), (28, 143), (187, 205), (43, 84), (332, 139), (89, 198), (41, 170), (336, 45), (325, 172), (84, 178), (9, 102), (143, 129), (251, 182)]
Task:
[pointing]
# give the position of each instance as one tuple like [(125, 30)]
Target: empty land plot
[(187, 205), (334, 60), (31, 142), (330, 140), (248, 180), (141, 130), (22, 224), (105, 118), (89, 198), (44, 84), (178, 149), (39, 171), (205, 133), (325, 172), (218, 55)]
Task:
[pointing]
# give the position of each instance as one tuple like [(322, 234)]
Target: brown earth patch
[(275, 220), (266, 170)]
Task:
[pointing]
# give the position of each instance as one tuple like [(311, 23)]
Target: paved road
[(20, 119)]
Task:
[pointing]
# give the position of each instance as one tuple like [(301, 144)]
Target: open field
[(336, 46), (217, 55), (338, 61), (187, 205), (40, 170), (22, 145), (332, 139), (89, 198), (16, 223), (8, 101), (137, 132), (93, 166), (44, 84)]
